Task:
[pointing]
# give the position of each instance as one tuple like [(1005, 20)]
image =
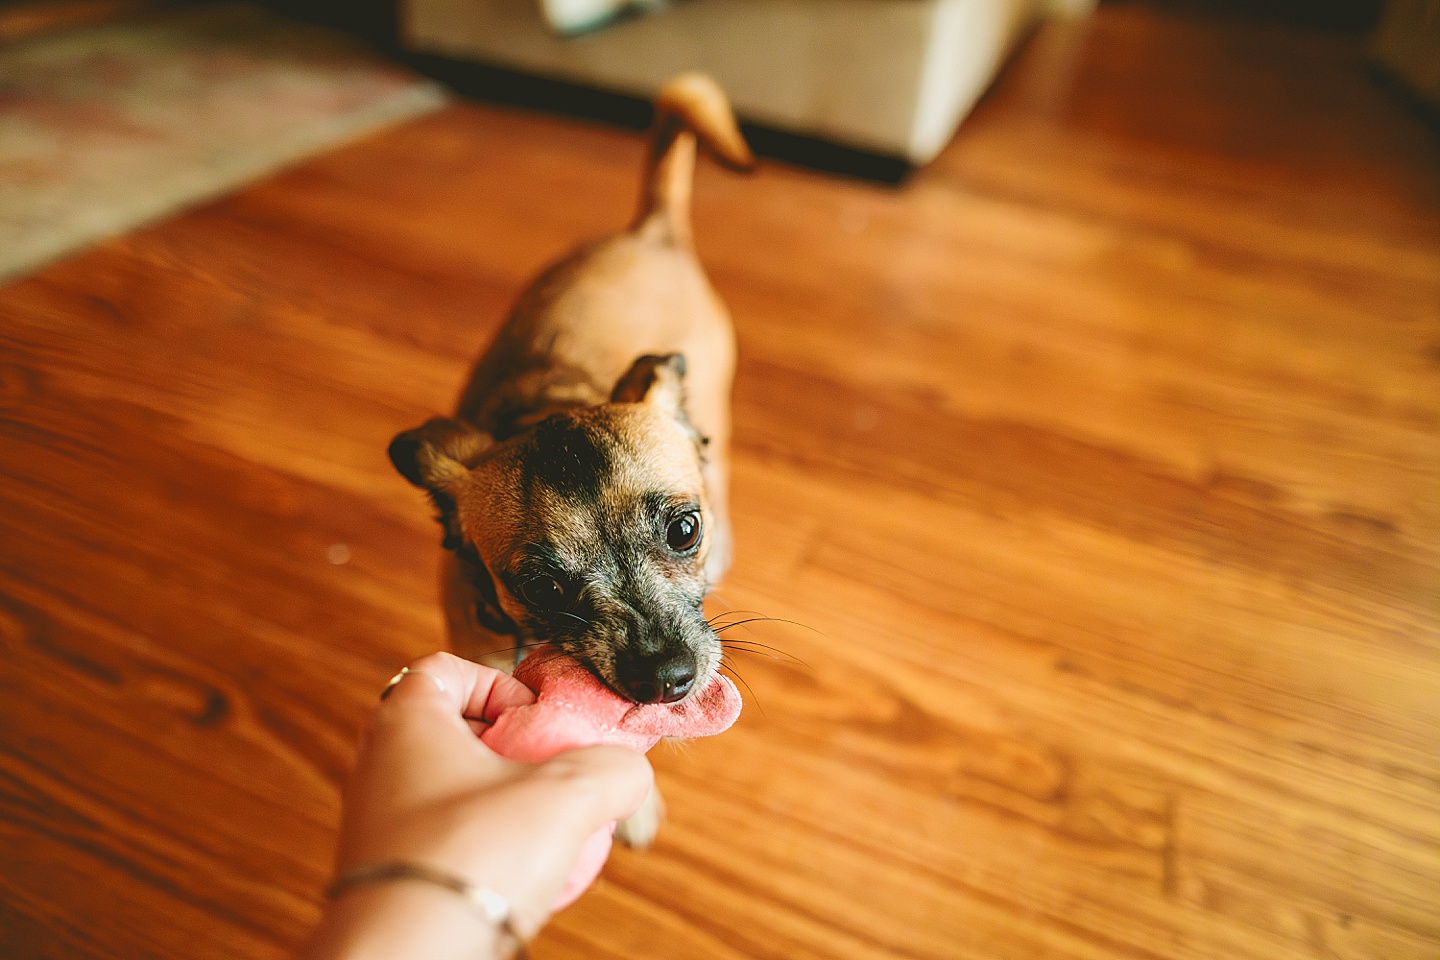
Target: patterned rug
[(106, 127)]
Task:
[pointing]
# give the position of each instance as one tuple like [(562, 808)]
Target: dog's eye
[(683, 532), (543, 592)]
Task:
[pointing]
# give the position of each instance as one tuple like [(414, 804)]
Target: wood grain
[(1101, 461)]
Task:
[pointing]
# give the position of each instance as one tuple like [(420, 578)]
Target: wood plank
[(1101, 463)]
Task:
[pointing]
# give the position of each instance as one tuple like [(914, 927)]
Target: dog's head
[(587, 530)]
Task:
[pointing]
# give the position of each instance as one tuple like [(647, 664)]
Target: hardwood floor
[(1103, 459)]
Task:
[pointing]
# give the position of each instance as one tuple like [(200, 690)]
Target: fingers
[(609, 782), (425, 723), (555, 816), (427, 789), (605, 782), (465, 689)]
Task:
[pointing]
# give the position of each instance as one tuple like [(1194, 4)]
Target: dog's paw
[(638, 830)]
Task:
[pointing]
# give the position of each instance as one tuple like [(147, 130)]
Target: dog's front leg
[(638, 830)]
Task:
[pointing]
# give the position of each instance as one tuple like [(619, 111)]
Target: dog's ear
[(438, 454), (657, 380), (660, 382)]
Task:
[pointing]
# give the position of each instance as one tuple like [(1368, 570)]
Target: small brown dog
[(582, 482)]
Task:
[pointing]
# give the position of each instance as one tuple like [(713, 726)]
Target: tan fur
[(572, 337)]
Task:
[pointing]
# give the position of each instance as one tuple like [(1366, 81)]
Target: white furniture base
[(893, 77)]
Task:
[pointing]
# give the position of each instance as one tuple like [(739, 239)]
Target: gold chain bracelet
[(489, 904)]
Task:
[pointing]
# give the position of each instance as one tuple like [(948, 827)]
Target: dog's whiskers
[(572, 616), (525, 645), (754, 646), (774, 653), (740, 623), (759, 619), (730, 612), (730, 667), (715, 595)]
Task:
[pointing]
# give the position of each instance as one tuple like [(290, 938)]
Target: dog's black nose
[(658, 679)]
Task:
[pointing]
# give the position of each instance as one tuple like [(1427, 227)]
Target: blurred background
[(871, 89), (1087, 439)]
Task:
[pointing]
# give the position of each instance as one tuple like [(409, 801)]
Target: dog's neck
[(488, 612), (529, 396)]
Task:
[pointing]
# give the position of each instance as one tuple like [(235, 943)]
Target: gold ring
[(405, 672)]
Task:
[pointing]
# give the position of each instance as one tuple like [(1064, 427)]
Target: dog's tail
[(690, 105)]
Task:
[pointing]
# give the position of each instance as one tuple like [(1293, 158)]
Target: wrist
[(399, 920)]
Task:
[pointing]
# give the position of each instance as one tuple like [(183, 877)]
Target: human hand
[(425, 790)]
